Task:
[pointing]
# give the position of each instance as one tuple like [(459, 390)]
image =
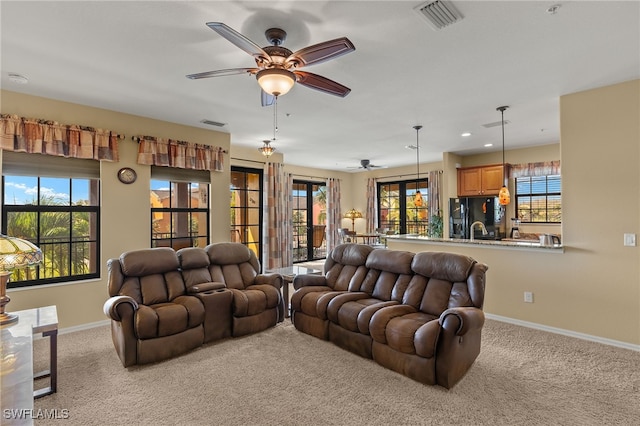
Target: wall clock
[(127, 175)]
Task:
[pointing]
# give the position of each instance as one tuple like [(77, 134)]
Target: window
[(59, 215), (402, 206), (179, 214), (538, 199), (246, 208)]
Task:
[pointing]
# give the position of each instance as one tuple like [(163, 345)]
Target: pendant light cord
[(417, 154), (275, 117), (504, 173)]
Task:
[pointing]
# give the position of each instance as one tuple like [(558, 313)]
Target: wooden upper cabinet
[(479, 181)]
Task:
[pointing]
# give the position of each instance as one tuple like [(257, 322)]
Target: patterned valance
[(185, 155), (36, 136), (543, 168)]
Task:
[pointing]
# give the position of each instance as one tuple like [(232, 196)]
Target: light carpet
[(284, 377)]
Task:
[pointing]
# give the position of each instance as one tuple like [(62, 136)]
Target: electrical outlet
[(528, 297), (630, 240)]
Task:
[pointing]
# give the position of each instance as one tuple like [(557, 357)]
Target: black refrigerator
[(464, 211)]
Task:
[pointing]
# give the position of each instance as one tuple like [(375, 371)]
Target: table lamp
[(353, 214), (14, 254)]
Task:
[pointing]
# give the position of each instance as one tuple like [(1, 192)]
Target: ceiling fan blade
[(220, 73), (321, 52), (266, 99), (320, 83), (239, 40)]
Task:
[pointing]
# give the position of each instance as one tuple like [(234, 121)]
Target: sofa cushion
[(140, 263), (401, 331), (254, 300), (166, 319), (450, 267), (398, 262)]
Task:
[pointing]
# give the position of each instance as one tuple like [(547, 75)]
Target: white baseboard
[(564, 332), (86, 326)]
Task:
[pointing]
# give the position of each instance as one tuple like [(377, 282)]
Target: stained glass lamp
[(14, 254), (353, 214)]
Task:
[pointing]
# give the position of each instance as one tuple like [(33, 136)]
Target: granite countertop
[(507, 242)]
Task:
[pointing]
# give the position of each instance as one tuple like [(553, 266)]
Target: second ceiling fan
[(278, 67)]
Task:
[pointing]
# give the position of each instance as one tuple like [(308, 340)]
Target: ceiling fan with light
[(278, 67), (366, 164)]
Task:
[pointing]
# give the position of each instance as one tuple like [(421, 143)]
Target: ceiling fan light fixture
[(276, 81), (266, 149)]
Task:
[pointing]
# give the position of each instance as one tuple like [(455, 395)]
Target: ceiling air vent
[(213, 123), (439, 13)]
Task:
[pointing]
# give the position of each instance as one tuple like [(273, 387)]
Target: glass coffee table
[(288, 274)]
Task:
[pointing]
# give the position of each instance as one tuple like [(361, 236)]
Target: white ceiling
[(132, 56)]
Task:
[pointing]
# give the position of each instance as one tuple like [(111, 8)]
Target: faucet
[(482, 227)]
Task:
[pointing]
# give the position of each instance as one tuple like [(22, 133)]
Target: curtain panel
[(278, 232), (372, 203), (154, 151), (542, 168), (435, 193), (35, 136), (334, 217)]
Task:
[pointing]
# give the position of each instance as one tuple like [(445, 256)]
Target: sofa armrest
[(270, 279), (458, 345), (114, 305), (306, 280), (205, 287), (461, 321)]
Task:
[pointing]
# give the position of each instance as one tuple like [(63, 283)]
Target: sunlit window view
[(539, 199), (179, 214), (59, 215), (403, 207), (246, 208), (309, 221)]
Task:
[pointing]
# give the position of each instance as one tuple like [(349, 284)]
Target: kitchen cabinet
[(482, 180)]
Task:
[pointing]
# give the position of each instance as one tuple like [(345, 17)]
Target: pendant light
[(503, 196), (266, 149), (418, 201)]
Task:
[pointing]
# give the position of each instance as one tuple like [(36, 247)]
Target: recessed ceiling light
[(18, 78), (488, 145), (465, 134)]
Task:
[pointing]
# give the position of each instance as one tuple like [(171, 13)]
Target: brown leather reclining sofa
[(417, 314), (164, 303)]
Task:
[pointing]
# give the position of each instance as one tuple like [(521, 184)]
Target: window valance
[(47, 137), (542, 168), (173, 153)]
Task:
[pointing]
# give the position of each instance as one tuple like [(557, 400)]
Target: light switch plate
[(630, 240)]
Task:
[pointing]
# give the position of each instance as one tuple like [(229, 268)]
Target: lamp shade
[(266, 149), (353, 214), (504, 197), (16, 253), (276, 81)]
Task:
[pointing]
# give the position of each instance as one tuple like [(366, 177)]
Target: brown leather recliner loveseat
[(164, 303), (417, 314)]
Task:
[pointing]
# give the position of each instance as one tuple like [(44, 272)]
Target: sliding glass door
[(309, 220)]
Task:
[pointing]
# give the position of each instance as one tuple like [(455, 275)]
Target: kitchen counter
[(507, 243)]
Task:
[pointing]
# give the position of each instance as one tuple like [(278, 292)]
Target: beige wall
[(594, 286), (124, 208)]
